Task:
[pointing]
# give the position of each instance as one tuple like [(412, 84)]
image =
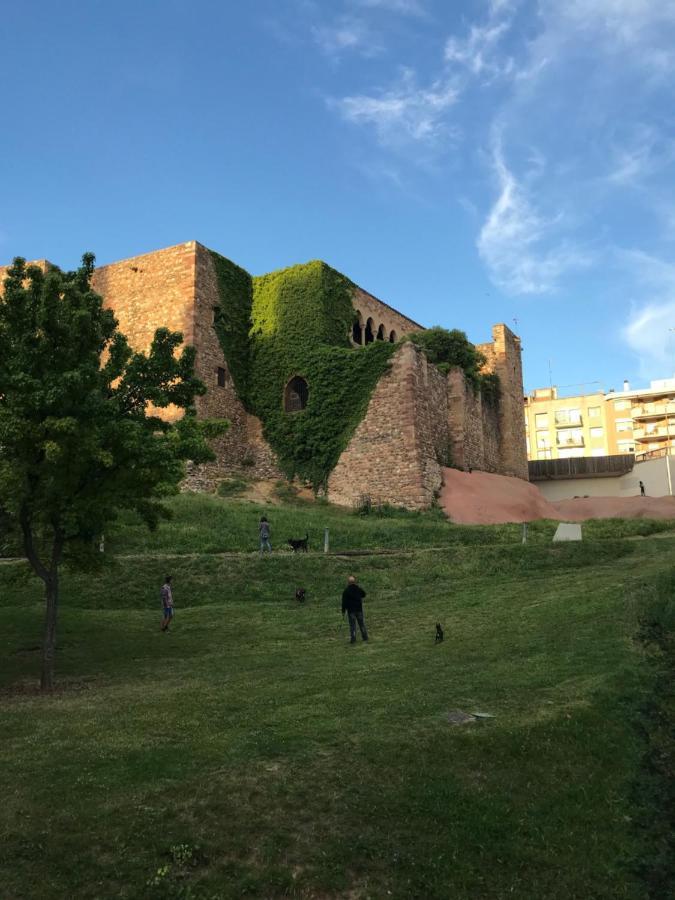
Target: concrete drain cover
[(457, 717)]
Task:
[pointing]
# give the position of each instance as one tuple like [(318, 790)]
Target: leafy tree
[(447, 348), (80, 438)]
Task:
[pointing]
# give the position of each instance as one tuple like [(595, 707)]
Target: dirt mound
[(484, 499)]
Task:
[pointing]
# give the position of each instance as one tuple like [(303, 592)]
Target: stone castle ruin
[(312, 374)]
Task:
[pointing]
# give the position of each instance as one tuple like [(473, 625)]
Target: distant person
[(264, 532), (642, 489), (167, 603), (352, 604)]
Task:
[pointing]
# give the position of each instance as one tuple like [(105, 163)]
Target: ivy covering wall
[(296, 322)]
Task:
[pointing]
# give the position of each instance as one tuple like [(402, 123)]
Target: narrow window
[(296, 394), (215, 312), (370, 334), (221, 375)]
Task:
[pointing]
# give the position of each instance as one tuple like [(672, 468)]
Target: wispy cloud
[(477, 53), (518, 244), (346, 34), (650, 331), (406, 7), (405, 113)]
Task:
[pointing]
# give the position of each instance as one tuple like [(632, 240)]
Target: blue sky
[(467, 162)]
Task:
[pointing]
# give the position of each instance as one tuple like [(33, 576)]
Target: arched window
[(380, 333), (357, 329), (392, 337), (296, 394), (370, 334)]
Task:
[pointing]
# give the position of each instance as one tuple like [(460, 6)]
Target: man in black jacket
[(352, 604)]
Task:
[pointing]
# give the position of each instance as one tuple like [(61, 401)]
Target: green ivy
[(300, 319), (233, 318), (446, 348)]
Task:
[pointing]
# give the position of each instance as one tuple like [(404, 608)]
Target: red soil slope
[(484, 499)]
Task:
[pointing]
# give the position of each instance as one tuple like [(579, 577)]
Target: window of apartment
[(541, 420), (543, 441), (221, 376), (544, 454), (570, 436), (593, 412), (626, 446), (621, 404), (568, 417), (597, 432), (624, 424), (570, 452)]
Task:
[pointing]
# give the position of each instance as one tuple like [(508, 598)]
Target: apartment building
[(563, 427), (652, 414), (601, 424)]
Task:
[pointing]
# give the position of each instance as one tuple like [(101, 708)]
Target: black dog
[(301, 545), (300, 595), (439, 633)]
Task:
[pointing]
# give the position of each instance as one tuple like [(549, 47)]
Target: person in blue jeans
[(166, 596), (352, 604), (264, 532)]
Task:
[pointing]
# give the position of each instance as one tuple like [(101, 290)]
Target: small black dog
[(299, 546), (300, 595), (439, 633)]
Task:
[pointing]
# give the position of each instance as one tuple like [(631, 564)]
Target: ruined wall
[(370, 307), (177, 288), (397, 451), (242, 449), (504, 357)]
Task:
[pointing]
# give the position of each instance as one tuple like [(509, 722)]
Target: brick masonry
[(418, 420)]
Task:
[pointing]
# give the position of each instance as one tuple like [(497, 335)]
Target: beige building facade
[(601, 424), (564, 427)]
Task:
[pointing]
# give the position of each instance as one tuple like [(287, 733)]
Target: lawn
[(253, 752)]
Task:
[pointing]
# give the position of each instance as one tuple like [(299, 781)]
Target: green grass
[(208, 524), (252, 752)]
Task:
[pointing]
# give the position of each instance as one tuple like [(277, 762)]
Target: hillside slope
[(480, 498)]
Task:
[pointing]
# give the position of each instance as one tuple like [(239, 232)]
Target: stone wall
[(242, 450), (397, 451), (504, 357), (369, 307), (177, 288)]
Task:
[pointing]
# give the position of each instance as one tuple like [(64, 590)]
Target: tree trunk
[(49, 642)]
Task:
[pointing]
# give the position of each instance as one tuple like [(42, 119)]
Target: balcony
[(658, 433), (653, 411), (570, 442), (564, 420)]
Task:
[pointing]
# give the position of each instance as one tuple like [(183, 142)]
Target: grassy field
[(253, 752)]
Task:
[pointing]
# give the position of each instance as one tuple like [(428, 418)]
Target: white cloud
[(406, 7), (649, 332), (477, 52), (518, 244), (346, 34), (404, 114)]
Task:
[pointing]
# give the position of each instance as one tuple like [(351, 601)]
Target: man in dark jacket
[(352, 604)]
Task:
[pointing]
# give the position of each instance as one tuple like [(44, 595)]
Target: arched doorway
[(370, 332), (296, 394), (392, 337), (380, 333)]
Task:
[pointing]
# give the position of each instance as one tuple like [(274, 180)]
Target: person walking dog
[(167, 603), (352, 604)]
